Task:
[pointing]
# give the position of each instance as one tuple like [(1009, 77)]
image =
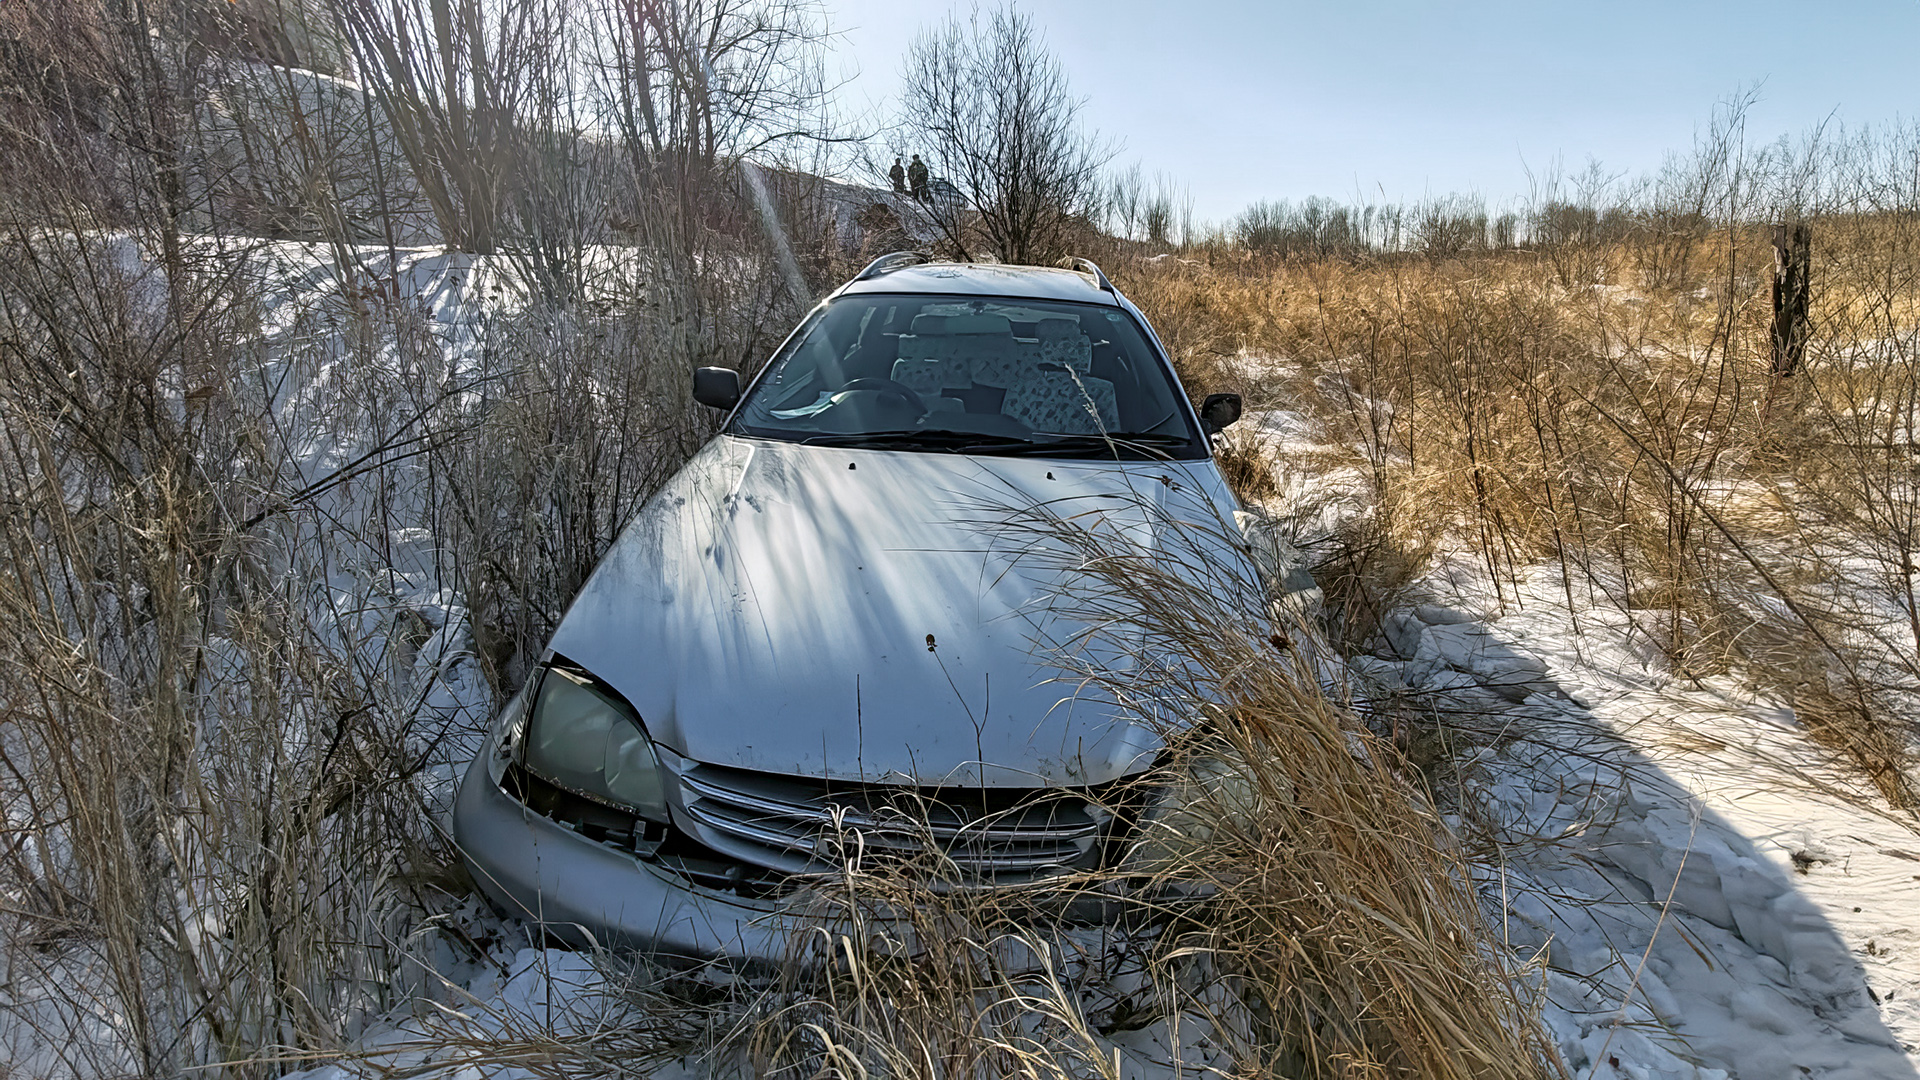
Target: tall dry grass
[(283, 516), (1601, 398), (1345, 925)]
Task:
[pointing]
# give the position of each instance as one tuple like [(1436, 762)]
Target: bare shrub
[(1448, 227), (1002, 126), (454, 100), (577, 423), (1316, 228), (271, 498), (227, 828), (1247, 469)]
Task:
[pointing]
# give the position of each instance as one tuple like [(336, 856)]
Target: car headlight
[(582, 738)]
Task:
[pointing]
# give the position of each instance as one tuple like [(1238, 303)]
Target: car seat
[(1052, 388), (1047, 382), (938, 352)]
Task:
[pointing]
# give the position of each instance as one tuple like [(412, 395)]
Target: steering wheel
[(897, 389)]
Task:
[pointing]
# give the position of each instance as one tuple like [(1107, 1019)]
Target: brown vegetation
[(220, 737), (1605, 399)]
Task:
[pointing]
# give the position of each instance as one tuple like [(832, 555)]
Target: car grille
[(799, 826)]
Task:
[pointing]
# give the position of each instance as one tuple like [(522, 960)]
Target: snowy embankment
[(349, 420), (343, 527)]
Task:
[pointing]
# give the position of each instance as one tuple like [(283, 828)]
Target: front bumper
[(587, 893)]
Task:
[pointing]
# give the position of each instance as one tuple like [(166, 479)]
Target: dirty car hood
[(853, 614)]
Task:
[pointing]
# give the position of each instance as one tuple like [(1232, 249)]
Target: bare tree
[(451, 76), (993, 109), (701, 94), (697, 83), (1126, 196), (1166, 213)]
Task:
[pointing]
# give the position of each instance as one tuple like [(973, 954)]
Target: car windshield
[(973, 375)]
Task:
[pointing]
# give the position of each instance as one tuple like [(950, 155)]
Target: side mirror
[(717, 387), (1220, 410)]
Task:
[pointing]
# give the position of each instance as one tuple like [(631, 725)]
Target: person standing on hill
[(917, 178), (899, 177)]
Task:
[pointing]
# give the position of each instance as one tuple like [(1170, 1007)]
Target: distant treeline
[(1319, 227), (1832, 172)]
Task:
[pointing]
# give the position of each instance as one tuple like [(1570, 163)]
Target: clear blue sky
[(1248, 100)]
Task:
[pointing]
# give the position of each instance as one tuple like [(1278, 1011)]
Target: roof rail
[(892, 261), (1086, 266)]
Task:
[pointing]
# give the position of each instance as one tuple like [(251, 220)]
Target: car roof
[(984, 279)]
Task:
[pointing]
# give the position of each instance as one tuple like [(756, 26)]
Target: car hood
[(862, 615)]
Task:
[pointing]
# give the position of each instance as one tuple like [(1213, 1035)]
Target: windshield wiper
[(916, 438), (1144, 442)]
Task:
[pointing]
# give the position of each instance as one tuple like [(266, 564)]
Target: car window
[(925, 372)]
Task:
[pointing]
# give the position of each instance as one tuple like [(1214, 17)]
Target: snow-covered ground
[(331, 407), (1710, 894)]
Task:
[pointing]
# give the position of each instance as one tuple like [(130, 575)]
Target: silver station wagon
[(807, 635)]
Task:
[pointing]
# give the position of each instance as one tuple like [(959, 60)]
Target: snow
[(559, 1008), (356, 554), (1710, 894)]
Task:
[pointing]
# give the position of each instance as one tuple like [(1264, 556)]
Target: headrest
[(1053, 329)]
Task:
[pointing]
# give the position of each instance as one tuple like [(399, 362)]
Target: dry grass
[(1628, 429), (1345, 925)]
